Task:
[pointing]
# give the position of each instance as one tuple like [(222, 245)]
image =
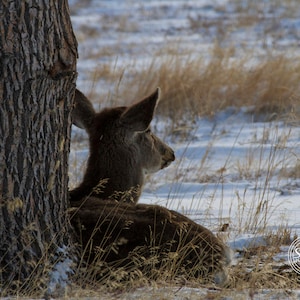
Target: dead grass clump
[(49, 276), (257, 275), (105, 71), (291, 172), (197, 87), (282, 236), (256, 267)]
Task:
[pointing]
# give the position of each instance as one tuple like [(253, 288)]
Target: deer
[(123, 149), (115, 228)]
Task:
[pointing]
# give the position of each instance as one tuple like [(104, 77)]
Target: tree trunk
[(38, 53)]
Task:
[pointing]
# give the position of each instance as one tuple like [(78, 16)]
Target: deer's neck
[(111, 174)]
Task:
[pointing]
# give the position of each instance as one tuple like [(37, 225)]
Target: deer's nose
[(168, 158), (169, 154), (172, 156)]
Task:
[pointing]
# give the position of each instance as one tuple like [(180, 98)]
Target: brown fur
[(122, 148), (113, 231)]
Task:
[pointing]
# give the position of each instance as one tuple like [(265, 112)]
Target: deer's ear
[(138, 116), (83, 111)]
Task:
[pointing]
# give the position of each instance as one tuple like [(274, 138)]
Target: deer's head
[(122, 147)]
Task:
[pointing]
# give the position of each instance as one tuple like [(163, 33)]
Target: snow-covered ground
[(229, 169)]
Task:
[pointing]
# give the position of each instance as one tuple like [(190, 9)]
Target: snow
[(229, 168), (250, 157), (245, 241), (62, 269)]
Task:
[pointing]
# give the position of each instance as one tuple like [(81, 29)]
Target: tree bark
[(38, 53)]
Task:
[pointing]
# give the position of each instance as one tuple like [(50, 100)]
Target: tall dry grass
[(196, 86)]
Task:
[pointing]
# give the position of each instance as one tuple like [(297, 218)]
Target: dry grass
[(193, 86), (291, 172), (254, 270), (198, 85), (159, 260), (203, 84)]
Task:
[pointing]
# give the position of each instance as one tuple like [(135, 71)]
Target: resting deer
[(122, 148)]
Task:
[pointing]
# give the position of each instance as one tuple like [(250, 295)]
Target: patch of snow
[(59, 276), (246, 241)]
